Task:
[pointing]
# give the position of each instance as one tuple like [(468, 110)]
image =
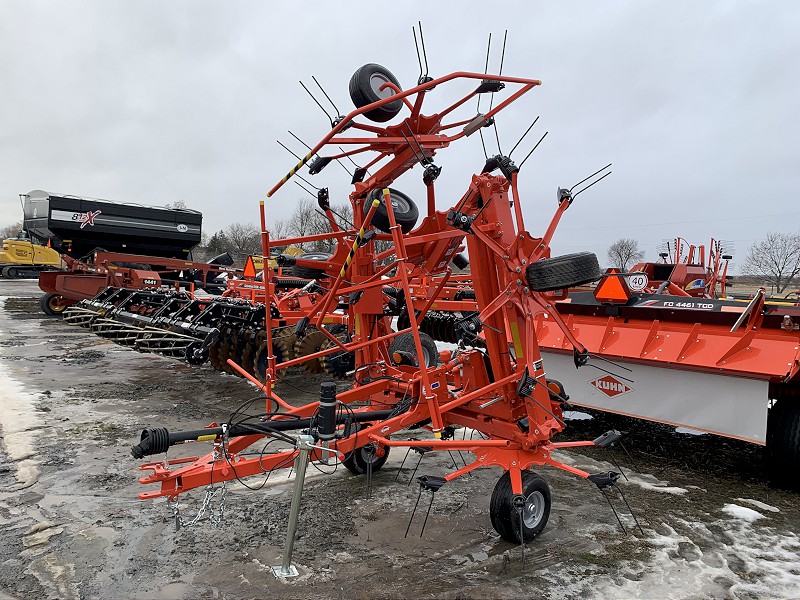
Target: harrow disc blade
[(285, 339), (224, 350), (213, 355), (338, 364), (310, 343), (237, 346), (249, 348), (261, 356)]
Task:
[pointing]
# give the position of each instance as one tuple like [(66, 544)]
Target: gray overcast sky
[(150, 102)]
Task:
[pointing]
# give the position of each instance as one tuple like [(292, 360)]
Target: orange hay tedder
[(493, 381), (373, 310)]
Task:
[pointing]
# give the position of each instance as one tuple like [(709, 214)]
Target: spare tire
[(365, 89), (405, 210), (405, 343), (563, 272), (307, 272)]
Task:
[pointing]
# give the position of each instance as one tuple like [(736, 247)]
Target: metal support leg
[(287, 569)]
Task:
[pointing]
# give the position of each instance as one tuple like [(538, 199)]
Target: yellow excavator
[(20, 258)]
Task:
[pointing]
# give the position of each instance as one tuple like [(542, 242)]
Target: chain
[(215, 517)]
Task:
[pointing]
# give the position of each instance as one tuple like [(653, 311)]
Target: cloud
[(151, 102)]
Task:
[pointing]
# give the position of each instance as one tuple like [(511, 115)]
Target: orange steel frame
[(459, 391)]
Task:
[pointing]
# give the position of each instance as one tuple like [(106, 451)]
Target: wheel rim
[(376, 80), (55, 306), (368, 454), (533, 510), (399, 203), (426, 356)]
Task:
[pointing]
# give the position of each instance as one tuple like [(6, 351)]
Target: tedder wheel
[(357, 461), (405, 210), (365, 88), (51, 305), (535, 503), (309, 273), (783, 442), (405, 343), (563, 272)]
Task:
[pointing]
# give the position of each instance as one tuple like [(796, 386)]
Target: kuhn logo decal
[(611, 386)]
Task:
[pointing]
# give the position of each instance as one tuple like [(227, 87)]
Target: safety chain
[(214, 517)]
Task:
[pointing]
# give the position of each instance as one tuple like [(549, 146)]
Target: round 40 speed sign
[(637, 281)]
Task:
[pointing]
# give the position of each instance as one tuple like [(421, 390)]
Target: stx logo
[(88, 217), (611, 386)]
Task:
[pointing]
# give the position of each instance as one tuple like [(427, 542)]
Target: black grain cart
[(77, 226)]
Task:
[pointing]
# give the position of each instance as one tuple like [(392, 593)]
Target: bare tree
[(243, 238), (10, 231), (301, 222), (776, 259), (624, 253), (308, 219), (278, 230)]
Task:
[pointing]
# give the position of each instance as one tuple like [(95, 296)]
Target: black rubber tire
[(405, 343), (505, 517), (562, 272), (364, 86), (309, 273), (357, 461), (406, 212), (460, 261), (50, 306), (783, 443)]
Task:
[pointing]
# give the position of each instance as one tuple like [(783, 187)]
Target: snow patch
[(730, 559), (576, 415), (19, 422), (643, 480), (742, 512), (690, 431), (445, 346), (761, 505)]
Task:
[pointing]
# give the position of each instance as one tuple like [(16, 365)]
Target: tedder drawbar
[(492, 381)]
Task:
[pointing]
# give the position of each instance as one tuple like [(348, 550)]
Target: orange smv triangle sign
[(249, 269), (612, 288)]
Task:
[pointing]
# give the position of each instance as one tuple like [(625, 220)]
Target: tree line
[(242, 239), (774, 261)]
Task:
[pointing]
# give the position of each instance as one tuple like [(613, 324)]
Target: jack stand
[(370, 457), (287, 569), (519, 503)]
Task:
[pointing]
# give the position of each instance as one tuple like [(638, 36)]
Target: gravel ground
[(72, 404)]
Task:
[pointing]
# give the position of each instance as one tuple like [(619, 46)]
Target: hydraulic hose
[(159, 439)]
